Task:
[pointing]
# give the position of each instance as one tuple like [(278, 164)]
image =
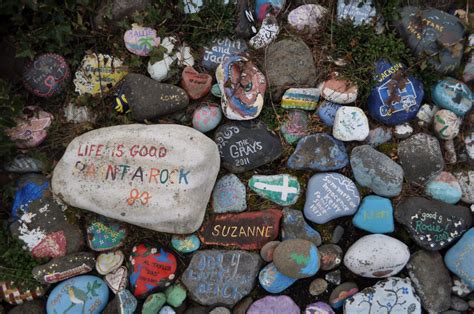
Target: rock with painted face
[(141, 40), (31, 127), (243, 87), (306, 17), (453, 95)]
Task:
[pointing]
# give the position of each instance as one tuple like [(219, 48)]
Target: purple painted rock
[(207, 117), (141, 40), (196, 85), (318, 308), (30, 130), (274, 305)]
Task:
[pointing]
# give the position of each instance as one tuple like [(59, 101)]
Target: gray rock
[(24, 164), (466, 181), (337, 234), (318, 286), (459, 304), (330, 255), (294, 226), (62, 268), (334, 277), (379, 136), (30, 307), (118, 10)]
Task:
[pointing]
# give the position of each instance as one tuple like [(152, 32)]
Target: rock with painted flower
[(453, 95), (104, 234), (141, 40), (307, 18), (446, 124), (282, 189), (31, 127), (267, 33)]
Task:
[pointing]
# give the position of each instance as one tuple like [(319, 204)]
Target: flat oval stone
[(306, 17), (331, 256), (46, 75), (318, 286), (295, 126), (274, 281), (327, 112), (104, 234), (141, 40), (274, 304), (246, 145), (446, 124), (376, 256), (31, 127), (219, 49), (24, 164), (296, 258), (266, 252), (281, 189), (318, 152), (350, 124), (229, 195), (339, 91), (301, 98), (375, 215), (341, 293), (453, 95), (267, 33), (294, 226), (318, 308), (460, 258), (155, 186), (185, 244), (466, 181), (207, 117), (357, 11), (84, 293), (196, 85), (329, 196), (117, 280), (108, 262), (444, 187)]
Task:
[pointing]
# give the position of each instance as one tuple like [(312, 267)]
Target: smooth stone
[(65, 267), (331, 256), (24, 164), (185, 243), (379, 136), (350, 124), (376, 171), (341, 293), (357, 11), (282, 189), (466, 181), (14, 293), (274, 305), (300, 98), (246, 145), (141, 40), (392, 295), (446, 124), (450, 155), (376, 256), (337, 234), (329, 196), (318, 308), (444, 187), (117, 280), (339, 91), (318, 152), (216, 90), (453, 95), (420, 157), (266, 252), (459, 259), (267, 33), (108, 262), (459, 304), (31, 127), (296, 258), (229, 195), (318, 286), (167, 310), (196, 85), (403, 131), (123, 303), (274, 281), (265, 7), (432, 224), (79, 114), (425, 114), (83, 294), (375, 215), (246, 26), (104, 234), (175, 295), (294, 126), (307, 18), (221, 276), (29, 188), (293, 226), (207, 117), (219, 50), (181, 194), (334, 277), (192, 6), (153, 303), (30, 307), (220, 310), (431, 280), (327, 112)]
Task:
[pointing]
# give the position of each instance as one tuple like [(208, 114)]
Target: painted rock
[(267, 33), (158, 187), (318, 308), (295, 126), (460, 258), (161, 70), (246, 145), (293, 226), (341, 293), (118, 279), (108, 262), (24, 164), (395, 98), (444, 187), (469, 143), (307, 18), (318, 287), (376, 171), (329, 196), (432, 224), (301, 98), (175, 295), (243, 87), (153, 303), (221, 276), (248, 230), (446, 124), (79, 114), (98, 73), (350, 124), (263, 7), (327, 112), (296, 258), (192, 6), (207, 117), (167, 310), (216, 90), (379, 136), (196, 85), (13, 294), (219, 50), (281, 189), (29, 188), (229, 195), (375, 215), (266, 252), (104, 234), (334, 277), (151, 268), (47, 75), (453, 95), (359, 12), (65, 267), (318, 152), (185, 244), (420, 157), (394, 294), (123, 303), (141, 40), (339, 91), (403, 131), (466, 181), (30, 130), (468, 73), (274, 281), (274, 305), (331, 256), (246, 22), (376, 256), (83, 294), (425, 114)]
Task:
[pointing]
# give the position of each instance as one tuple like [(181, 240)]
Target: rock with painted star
[(294, 226), (295, 126), (459, 259), (207, 117), (444, 187), (274, 281), (453, 95), (446, 124), (229, 195), (350, 124), (104, 234), (141, 40), (375, 215), (108, 262), (31, 127), (185, 243), (297, 258), (65, 267), (281, 189)]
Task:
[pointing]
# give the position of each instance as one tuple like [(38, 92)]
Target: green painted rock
[(154, 303), (175, 295), (282, 189)]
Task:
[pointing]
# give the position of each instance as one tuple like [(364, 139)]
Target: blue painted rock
[(185, 244), (375, 170), (83, 294), (350, 124), (263, 7), (104, 234), (359, 12), (141, 40), (123, 303), (272, 280), (330, 255), (460, 258), (446, 124), (395, 99), (329, 196), (379, 136), (307, 17), (301, 98), (444, 187), (327, 112), (267, 33), (296, 258), (24, 164), (65, 267), (453, 95), (339, 91), (320, 152), (341, 293), (29, 189), (220, 49), (293, 226), (375, 215), (318, 308), (295, 126), (274, 304), (229, 195), (282, 189), (206, 117)]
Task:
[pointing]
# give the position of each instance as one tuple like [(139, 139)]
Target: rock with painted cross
[(282, 189)]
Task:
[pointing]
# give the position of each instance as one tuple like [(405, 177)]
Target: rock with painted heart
[(47, 75), (375, 215), (282, 189), (65, 267), (29, 188), (123, 303), (376, 256), (219, 50), (327, 112), (24, 164), (243, 87), (296, 258), (301, 98), (274, 304), (274, 281), (141, 40), (246, 145), (318, 152), (246, 22), (453, 95), (330, 255), (221, 276), (109, 262), (267, 33), (341, 293), (117, 280), (307, 18), (318, 308), (444, 187), (152, 268), (466, 181), (339, 91), (229, 195), (196, 85), (207, 117), (295, 126), (357, 11), (82, 294), (446, 124), (459, 259), (142, 173), (104, 234), (350, 124), (293, 226), (14, 293), (31, 127), (432, 224), (264, 7), (329, 196)]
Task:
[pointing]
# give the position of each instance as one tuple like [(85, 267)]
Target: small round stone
[(331, 256), (446, 124), (185, 243), (296, 258), (266, 252), (337, 234), (207, 118), (318, 286)]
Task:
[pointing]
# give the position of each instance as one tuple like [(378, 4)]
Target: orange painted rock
[(196, 85)]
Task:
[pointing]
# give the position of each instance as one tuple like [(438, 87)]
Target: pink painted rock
[(141, 40), (30, 130), (207, 117), (339, 91), (196, 85)]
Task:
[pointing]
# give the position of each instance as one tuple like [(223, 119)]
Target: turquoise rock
[(272, 280), (444, 187), (216, 90), (185, 243), (229, 195), (128, 303), (453, 95), (375, 215), (175, 295), (460, 258), (282, 189), (153, 303)]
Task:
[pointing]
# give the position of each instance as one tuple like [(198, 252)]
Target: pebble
[(123, 303), (459, 304), (282, 189), (31, 127), (267, 33), (359, 12), (466, 181), (79, 114), (196, 85), (229, 195), (167, 310), (219, 50), (153, 303), (331, 256), (104, 234), (264, 7), (207, 117), (334, 277), (266, 252), (307, 18), (296, 258), (337, 234), (341, 293), (24, 164), (446, 124), (175, 295), (460, 288), (274, 281), (117, 280), (294, 126), (426, 114), (318, 286), (339, 91), (350, 124), (141, 40), (319, 308), (375, 215), (65, 267), (459, 259), (327, 112), (185, 244), (444, 187), (246, 26), (301, 98), (379, 136), (452, 95), (403, 131), (294, 226), (274, 305)]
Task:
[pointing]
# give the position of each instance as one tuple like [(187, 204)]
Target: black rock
[(11, 67), (294, 226), (246, 27), (30, 307), (62, 268)]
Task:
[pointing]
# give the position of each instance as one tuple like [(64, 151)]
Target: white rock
[(159, 71), (403, 131), (466, 181), (350, 124), (267, 33), (192, 6), (377, 256), (446, 124), (158, 177), (78, 114), (306, 17), (426, 114)]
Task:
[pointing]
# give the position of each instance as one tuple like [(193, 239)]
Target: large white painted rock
[(158, 177)]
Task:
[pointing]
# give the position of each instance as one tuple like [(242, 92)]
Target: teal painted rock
[(453, 95), (104, 234), (153, 303), (375, 215), (229, 195), (301, 98), (444, 187), (272, 280), (295, 126), (296, 258), (175, 295), (282, 189), (185, 243), (460, 258)]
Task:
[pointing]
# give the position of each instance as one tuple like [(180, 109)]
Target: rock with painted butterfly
[(65, 267)]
